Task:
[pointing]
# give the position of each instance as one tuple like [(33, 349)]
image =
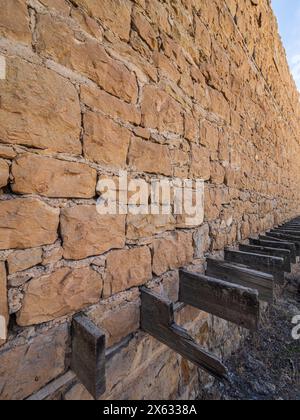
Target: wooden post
[(276, 244), (88, 355), (231, 302), (283, 253), (244, 276), (157, 319)]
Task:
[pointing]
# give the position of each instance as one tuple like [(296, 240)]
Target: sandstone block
[(144, 226), (114, 14), (7, 152), (85, 55), (86, 233), (27, 223), (58, 294), (200, 166), (48, 177), (14, 21), (48, 114), (27, 367), (145, 29), (145, 156), (22, 260), (105, 141), (4, 173), (4, 313), (172, 252), (127, 268), (160, 111)]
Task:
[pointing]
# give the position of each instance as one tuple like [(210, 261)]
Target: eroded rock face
[(58, 294), (48, 177), (48, 108), (86, 233), (4, 173), (27, 223), (4, 314), (14, 21)]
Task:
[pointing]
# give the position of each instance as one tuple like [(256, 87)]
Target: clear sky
[(288, 16)]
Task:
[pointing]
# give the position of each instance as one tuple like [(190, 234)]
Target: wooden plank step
[(244, 276), (287, 231), (88, 355), (265, 263), (157, 319), (274, 244), (285, 237), (228, 301), (283, 253)]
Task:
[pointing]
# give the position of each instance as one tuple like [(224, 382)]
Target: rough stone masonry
[(174, 88)]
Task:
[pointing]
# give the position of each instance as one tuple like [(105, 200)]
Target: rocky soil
[(268, 365)]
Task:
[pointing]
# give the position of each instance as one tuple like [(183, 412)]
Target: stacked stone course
[(171, 89)]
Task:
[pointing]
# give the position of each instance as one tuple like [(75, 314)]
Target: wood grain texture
[(225, 300), (282, 253), (157, 319), (294, 239), (88, 355), (244, 276), (276, 244)]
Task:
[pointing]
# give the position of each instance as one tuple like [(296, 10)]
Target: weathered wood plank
[(284, 237), (265, 263), (274, 244), (244, 276), (157, 319), (286, 231), (225, 300), (88, 355), (283, 253)]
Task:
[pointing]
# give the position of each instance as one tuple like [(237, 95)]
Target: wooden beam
[(225, 300), (88, 355), (286, 231), (244, 276), (265, 263), (274, 244), (157, 319), (283, 253), (285, 237)]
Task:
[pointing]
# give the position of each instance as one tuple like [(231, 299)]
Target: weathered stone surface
[(4, 313), (172, 252), (27, 223), (115, 14), (4, 173), (133, 269), (145, 226), (7, 152), (86, 233), (105, 141), (110, 105), (48, 108), (86, 56), (145, 156), (14, 21), (145, 29), (200, 167), (60, 293), (78, 393), (25, 367), (22, 260), (202, 241), (160, 111), (48, 177), (118, 317)]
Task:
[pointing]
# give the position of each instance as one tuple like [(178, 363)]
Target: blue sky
[(288, 15)]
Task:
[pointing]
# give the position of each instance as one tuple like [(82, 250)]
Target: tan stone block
[(58, 294), (27, 223), (7, 152), (48, 114), (114, 14), (145, 29), (126, 269), (209, 136), (200, 166), (86, 233), (166, 67), (85, 55), (145, 156), (191, 127), (4, 173), (145, 226), (105, 141), (118, 316), (59, 5), (52, 255), (172, 252), (217, 173), (49, 177), (160, 111), (4, 313), (110, 105), (22, 260), (14, 21), (27, 367)]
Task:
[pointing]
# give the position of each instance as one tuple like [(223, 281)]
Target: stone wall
[(175, 88)]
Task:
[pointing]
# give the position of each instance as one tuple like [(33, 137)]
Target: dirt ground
[(267, 367)]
